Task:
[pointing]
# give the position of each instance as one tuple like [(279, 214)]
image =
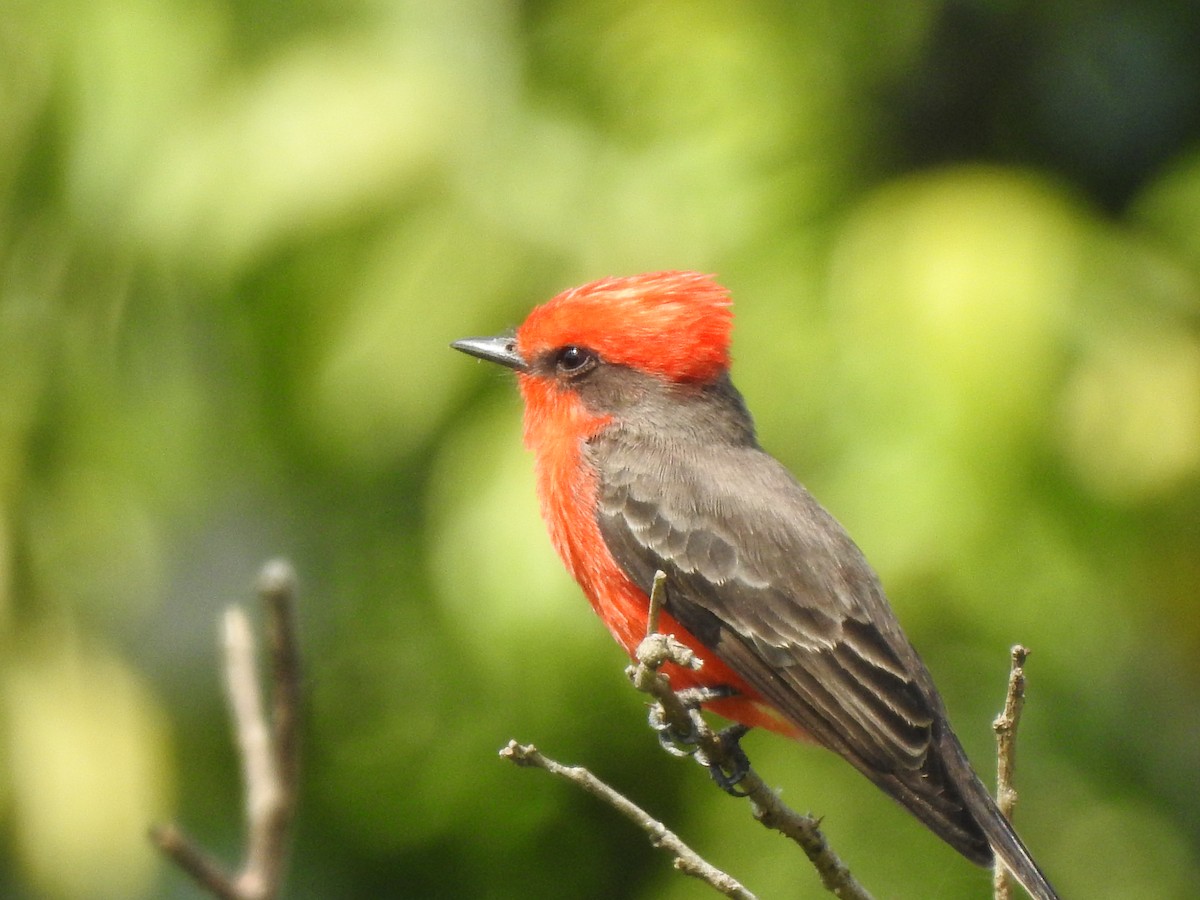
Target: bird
[(646, 460)]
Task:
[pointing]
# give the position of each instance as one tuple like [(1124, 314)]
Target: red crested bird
[(647, 460)]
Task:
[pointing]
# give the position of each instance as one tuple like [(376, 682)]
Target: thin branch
[(658, 597), (269, 752), (207, 872), (260, 775), (686, 859), (767, 807), (654, 651), (277, 589), (1005, 727)]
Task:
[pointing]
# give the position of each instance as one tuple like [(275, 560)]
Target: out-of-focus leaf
[(1131, 413), (951, 293), (85, 745)]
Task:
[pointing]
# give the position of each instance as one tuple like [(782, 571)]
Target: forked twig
[(658, 649), (269, 752)]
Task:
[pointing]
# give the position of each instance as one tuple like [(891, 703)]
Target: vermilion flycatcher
[(647, 460)]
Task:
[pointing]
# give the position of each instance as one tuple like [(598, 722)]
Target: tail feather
[(947, 795), (1007, 846)]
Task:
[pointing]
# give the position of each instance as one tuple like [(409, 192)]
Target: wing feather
[(763, 575)]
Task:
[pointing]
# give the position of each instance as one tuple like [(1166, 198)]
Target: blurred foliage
[(235, 239)]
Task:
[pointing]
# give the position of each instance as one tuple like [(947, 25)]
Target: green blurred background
[(236, 238)]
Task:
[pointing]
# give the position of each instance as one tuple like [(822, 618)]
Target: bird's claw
[(731, 774), (671, 738), (685, 742)]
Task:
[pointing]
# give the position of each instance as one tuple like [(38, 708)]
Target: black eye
[(573, 360)]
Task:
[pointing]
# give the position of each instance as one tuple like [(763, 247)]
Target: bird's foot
[(684, 741), (675, 740), (729, 773)]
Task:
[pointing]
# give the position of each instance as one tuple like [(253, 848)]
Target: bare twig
[(767, 807), (275, 809), (269, 752), (1005, 727), (187, 854), (765, 803), (658, 597), (686, 859), (655, 651)]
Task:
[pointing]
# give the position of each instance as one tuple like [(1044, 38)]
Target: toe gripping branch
[(730, 765), (681, 730)]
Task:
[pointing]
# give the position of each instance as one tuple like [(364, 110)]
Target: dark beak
[(502, 350)]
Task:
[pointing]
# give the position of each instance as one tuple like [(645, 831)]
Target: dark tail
[(1006, 845), (949, 798)]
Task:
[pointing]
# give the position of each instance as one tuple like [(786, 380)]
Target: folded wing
[(762, 574)]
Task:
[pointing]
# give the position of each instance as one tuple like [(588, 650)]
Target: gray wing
[(763, 575)]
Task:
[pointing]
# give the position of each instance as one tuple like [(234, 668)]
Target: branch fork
[(269, 750), (655, 651)]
